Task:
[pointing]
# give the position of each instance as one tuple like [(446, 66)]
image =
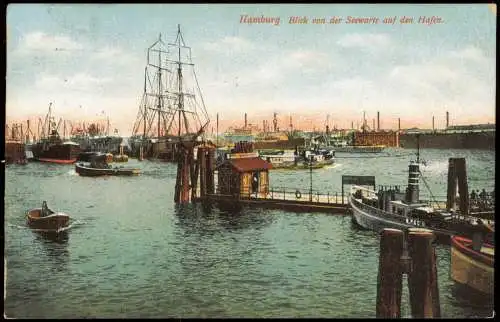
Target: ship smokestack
[(246, 123), (447, 119), (412, 192), (378, 121)]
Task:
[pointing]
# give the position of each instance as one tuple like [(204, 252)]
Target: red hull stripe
[(57, 161)]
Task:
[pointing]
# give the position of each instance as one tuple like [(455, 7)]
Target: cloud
[(41, 42), (364, 40), (229, 44), (76, 82)]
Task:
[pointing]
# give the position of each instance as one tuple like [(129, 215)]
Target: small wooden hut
[(243, 176)]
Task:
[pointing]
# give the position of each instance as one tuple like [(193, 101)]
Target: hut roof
[(249, 164)]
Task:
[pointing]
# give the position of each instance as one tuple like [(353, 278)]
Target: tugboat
[(99, 166), (52, 148), (402, 209)]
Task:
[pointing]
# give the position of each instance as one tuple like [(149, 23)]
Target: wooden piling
[(185, 176), (194, 176), (457, 175), (390, 284), (422, 278), (178, 180), (203, 166), (210, 170)]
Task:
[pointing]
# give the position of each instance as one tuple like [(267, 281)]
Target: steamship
[(391, 207), (52, 148)]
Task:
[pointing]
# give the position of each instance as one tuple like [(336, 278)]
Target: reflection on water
[(59, 238), (206, 218), (473, 303)]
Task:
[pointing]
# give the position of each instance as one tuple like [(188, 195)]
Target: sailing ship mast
[(183, 111), (153, 94), (190, 112)]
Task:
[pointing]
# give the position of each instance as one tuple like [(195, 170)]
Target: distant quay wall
[(483, 140)]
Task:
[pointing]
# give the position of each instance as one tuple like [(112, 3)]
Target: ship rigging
[(172, 107)]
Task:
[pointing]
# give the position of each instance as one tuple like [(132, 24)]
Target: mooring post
[(390, 282), (203, 171), (178, 180), (210, 170), (185, 176), (422, 278), (192, 173)]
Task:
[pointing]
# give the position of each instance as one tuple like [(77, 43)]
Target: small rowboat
[(44, 219), (474, 268)]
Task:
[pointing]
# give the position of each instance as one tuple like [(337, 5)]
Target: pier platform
[(296, 201)]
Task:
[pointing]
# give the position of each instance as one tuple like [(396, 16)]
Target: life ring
[(298, 195)]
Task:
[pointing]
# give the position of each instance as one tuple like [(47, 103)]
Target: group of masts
[(48, 125), (168, 93)]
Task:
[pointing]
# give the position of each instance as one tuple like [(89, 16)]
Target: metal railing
[(288, 194)]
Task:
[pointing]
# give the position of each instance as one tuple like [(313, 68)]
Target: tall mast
[(145, 105), (179, 75), (159, 90)]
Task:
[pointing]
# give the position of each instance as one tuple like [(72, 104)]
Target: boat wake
[(70, 226)]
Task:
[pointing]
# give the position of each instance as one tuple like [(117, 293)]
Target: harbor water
[(131, 252)]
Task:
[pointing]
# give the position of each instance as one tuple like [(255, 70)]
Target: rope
[(427, 186)]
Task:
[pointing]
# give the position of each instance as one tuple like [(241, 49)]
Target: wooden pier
[(296, 201)]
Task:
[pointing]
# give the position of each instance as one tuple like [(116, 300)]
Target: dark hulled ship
[(52, 148)]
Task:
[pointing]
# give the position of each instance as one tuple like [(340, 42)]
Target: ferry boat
[(392, 207)]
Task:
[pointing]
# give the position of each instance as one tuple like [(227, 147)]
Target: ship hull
[(471, 268), (56, 153), (468, 140), (371, 218), (359, 149)]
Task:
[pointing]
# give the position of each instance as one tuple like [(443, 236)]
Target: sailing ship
[(392, 207), (51, 147), (172, 109)]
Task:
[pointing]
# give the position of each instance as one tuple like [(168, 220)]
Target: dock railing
[(298, 195)]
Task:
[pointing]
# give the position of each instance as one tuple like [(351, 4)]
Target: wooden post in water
[(210, 170), (178, 180), (203, 171), (457, 178), (185, 175), (390, 283), (194, 167), (422, 279)]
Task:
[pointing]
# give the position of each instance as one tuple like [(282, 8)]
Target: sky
[(89, 59)]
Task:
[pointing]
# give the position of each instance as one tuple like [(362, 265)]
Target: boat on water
[(392, 207), (47, 220), (359, 149), (52, 148), (280, 159), (99, 166), (473, 264)]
